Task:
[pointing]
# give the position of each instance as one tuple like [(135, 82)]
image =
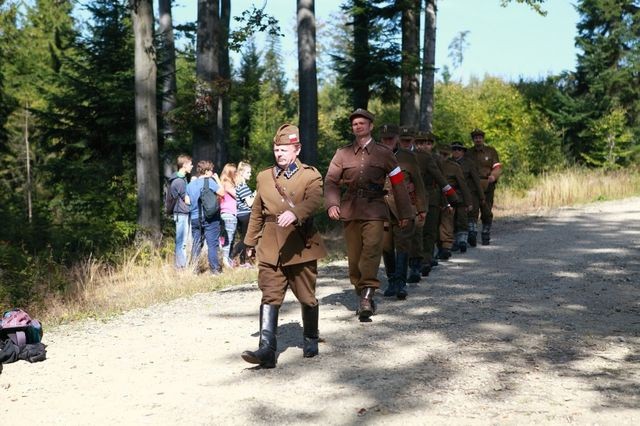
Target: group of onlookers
[(235, 200)]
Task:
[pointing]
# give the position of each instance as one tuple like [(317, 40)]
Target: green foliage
[(252, 21), (613, 141)]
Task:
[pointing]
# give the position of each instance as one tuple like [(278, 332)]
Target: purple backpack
[(18, 326)]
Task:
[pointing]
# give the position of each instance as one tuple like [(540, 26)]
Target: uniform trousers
[(446, 228), (399, 238), (430, 232), (416, 240), (364, 250), (484, 210), (301, 278)]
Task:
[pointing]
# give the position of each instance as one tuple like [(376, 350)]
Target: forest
[(97, 98)]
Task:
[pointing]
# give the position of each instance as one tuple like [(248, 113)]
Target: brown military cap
[(458, 145), (423, 136), (389, 131), (477, 131), (287, 134), (360, 112), (407, 132)]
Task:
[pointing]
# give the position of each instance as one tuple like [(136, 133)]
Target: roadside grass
[(146, 276)]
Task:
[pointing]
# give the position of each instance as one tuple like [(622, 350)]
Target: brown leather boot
[(367, 304)]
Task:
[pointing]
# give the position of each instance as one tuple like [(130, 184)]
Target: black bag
[(169, 200), (208, 202)]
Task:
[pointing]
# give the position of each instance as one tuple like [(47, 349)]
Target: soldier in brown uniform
[(470, 172), (288, 247), (489, 169), (439, 193), (398, 242), (361, 168), (453, 173)]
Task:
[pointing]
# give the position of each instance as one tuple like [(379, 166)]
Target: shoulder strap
[(280, 190)]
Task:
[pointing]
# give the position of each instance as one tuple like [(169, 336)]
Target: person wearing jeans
[(178, 188), (205, 230), (228, 211)]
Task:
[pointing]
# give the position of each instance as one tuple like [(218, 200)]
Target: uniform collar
[(366, 147), (289, 171)]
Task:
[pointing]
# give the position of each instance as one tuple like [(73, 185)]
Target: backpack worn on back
[(169, 200), (208, 202), (17, 325)]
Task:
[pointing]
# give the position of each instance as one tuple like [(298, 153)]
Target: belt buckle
[(360, 193)]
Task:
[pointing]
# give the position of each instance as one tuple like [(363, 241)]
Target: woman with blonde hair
[(244, 198), (228, 211)]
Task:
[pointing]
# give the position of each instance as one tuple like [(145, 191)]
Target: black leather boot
[(415, 264), (389, 259), (486, 234), (472, 237), (265, 356), (310, 331), (367, 304), (402, 262)]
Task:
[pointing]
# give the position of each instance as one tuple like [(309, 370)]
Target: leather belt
[(271, 218)]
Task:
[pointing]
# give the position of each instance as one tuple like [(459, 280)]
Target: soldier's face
[(478, 140), (406, 143), (390, 142), (361, 126), (285, 154), (457, 153)]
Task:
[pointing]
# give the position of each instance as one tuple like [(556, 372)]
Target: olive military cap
[(477, 131), (423, 136), (287, 134), (407, 132), (457, 145), (361, 113), (389, 131)]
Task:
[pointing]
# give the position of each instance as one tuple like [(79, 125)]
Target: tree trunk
[(167, 76), (147, 169), (205, 134), (224, 103), (409, 83), (428, 67), (359, 79), (308, 81)]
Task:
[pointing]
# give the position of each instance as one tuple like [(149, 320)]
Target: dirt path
[(543, 326)]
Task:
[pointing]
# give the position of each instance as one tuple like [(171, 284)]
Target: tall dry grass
[(566, 188), (145, 276)]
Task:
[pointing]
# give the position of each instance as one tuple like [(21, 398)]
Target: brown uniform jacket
[(453, 172), (432, 177), (293, 244), (486, 158), (362, 172), (470, 172), (413, 181)]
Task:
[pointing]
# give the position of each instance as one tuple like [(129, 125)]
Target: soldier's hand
[(403, 223), (491, 179), (421, 217), (250, 252), (334, 212), (287, 218)]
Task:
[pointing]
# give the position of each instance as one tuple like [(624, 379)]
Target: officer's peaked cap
[(360, 112)]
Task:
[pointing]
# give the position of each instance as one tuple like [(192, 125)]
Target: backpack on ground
[(208, 202), (18, 326), (169, 200)]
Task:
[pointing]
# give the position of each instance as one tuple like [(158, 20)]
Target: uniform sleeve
[(256, 220), (312, 200), (400, 193), (462, 183), (433, 169), (496, 167), (332, 181), (422, 204)]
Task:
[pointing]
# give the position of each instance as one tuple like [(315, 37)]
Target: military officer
[(398, 242), (286, 243), (470, 173), (453, 172), (361, 168), (489, 169)]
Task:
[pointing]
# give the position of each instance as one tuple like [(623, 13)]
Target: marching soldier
[(453, 172), (361, 168), (288, 246), (398, 241), (489, 169), (470, 172)]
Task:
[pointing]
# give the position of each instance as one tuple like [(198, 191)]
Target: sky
[(508, 42)]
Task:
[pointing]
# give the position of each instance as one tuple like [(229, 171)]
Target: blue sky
[(509, 42)]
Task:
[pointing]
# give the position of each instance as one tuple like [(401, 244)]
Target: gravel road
[(542, 326)]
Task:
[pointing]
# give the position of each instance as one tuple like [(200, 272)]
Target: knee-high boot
[(415, 264), (473, 233), (402, 260), (266, 353), (389, 259), (310, 330), (486, 234)]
